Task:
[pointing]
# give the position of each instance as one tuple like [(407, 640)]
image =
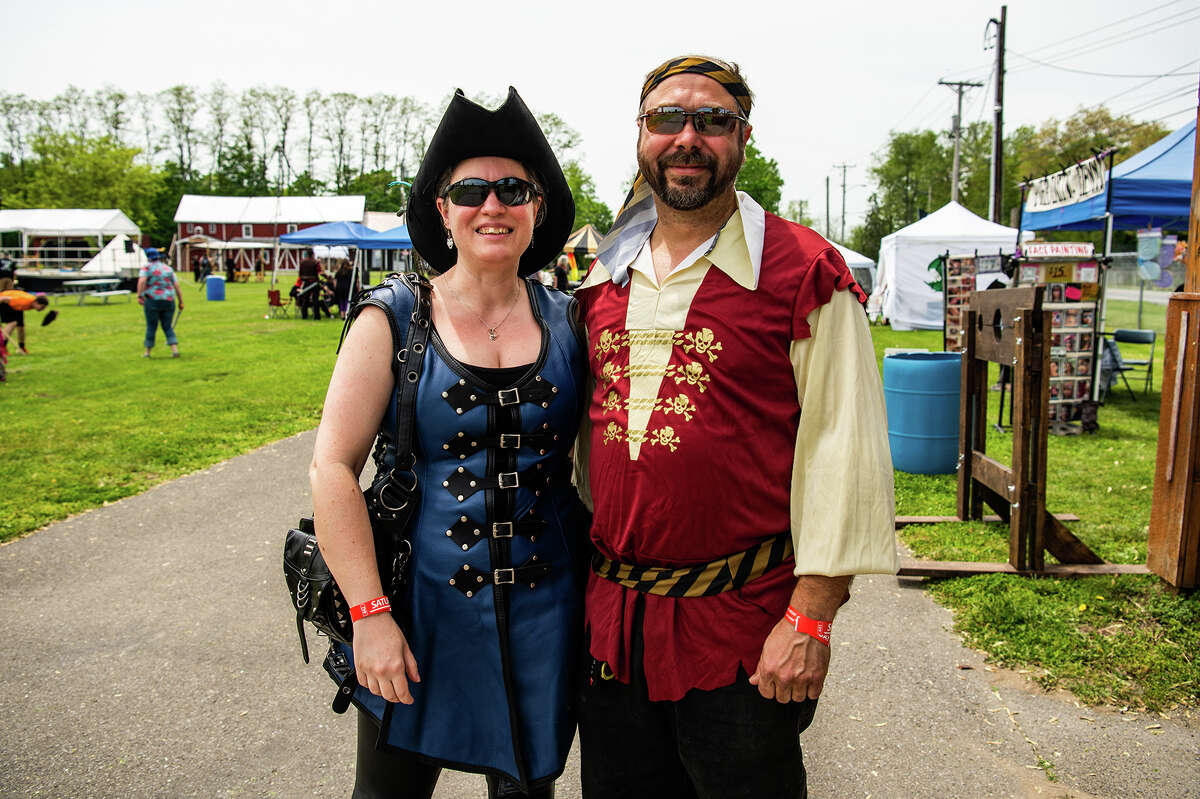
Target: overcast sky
[(831, 78)]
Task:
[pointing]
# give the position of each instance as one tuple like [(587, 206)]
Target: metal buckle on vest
[(504, 576), (502, 529), (509, 396), (510, 440), (508, 480)]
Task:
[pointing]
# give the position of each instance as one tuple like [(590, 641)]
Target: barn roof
[(270, 210)]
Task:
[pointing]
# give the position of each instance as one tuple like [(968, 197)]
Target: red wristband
[(379, 605), (803, 624)]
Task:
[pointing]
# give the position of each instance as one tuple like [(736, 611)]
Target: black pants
[(397, 775), (310, 299), (729, 743)]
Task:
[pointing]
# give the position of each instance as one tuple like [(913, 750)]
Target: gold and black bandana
[(700, 66)]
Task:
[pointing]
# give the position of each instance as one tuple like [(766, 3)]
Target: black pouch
[(315, 595)]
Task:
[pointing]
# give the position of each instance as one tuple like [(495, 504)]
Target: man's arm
[(842, 507), (793, 664)]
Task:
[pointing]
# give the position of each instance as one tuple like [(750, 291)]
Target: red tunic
[(713, 474)]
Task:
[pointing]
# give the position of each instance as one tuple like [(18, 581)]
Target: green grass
[(1123, 640), (85, 421)]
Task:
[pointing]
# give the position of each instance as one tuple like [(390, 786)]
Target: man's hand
[(792, 665)]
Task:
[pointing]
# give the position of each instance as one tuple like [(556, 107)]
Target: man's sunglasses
[(707, 121), (473, 192)]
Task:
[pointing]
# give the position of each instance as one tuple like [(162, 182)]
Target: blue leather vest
[(493, 600)]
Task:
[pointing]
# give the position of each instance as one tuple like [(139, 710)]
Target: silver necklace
[(493, 330)]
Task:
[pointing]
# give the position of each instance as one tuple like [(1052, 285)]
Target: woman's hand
[(383, 663)]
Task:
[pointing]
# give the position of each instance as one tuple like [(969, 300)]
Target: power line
[(1139, 15), (915, 105), (1189, 109), (1163, 98), (1102, 74), (1147, 83), (1164, 23)]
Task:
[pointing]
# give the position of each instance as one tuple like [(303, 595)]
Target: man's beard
[(691, 192)]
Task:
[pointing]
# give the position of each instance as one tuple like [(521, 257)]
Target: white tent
[(121, 256), (862, 267), (902, 292), (102, 222)]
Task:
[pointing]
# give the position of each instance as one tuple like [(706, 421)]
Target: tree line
[(911, 174), (141, 152)]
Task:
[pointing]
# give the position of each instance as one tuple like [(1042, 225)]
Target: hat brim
[(469, 130)]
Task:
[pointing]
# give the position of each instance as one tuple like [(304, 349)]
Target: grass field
[(87, 421)]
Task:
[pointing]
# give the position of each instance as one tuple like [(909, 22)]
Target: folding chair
[(1115, 363), (276, 304), (1145, 365)]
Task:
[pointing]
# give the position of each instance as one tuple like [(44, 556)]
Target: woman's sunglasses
[(473, 192), (707, 121)]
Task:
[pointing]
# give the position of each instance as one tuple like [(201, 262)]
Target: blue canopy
[(1151, 189), (347, 234), (394, 239)]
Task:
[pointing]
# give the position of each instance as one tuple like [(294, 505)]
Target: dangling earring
[(449, 241), (530, 247)]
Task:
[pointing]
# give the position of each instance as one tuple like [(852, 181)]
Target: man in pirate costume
[(736, 457)]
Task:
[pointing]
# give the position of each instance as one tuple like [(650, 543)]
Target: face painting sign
[(1084, 180)]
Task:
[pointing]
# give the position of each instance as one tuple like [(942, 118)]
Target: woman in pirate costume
[(473, 670)]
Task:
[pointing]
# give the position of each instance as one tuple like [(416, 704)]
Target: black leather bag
[(391, 499)]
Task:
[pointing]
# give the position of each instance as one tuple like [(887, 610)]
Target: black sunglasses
[(473, 192), (707, 121)]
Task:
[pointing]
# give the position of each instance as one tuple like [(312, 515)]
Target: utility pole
[(843, 167), (827, 234), (959, 86), (996, 197)]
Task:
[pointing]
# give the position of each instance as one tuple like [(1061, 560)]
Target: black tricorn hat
[(468, 130)]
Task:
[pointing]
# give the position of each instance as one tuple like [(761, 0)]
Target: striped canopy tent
[(580, 244)]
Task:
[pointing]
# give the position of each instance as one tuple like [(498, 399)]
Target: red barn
[(261, 220)]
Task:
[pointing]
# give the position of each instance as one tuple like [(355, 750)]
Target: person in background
[(230, 268), (341, 286), (13, 305), (310, 293), (157, 293), (561, 278), (205, 266), (727, 521), (8, 273)]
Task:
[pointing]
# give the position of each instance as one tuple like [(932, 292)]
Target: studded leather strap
[(470, 580)]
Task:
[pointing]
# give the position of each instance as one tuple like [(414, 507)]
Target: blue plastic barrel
[(214, 286), (922, 392)]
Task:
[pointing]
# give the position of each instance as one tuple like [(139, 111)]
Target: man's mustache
[(688, 158)]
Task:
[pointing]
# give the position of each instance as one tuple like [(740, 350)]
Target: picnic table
[(102, 287)]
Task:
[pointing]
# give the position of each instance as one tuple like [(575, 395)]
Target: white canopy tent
[(102, 224), (121, 256), (902, 293), (862, 267)]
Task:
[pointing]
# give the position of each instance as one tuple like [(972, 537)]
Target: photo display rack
[(1070, 274)]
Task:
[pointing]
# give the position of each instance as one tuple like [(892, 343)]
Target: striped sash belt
[(704, 579)]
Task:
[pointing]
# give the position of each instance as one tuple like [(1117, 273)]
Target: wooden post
[(1173, 548)]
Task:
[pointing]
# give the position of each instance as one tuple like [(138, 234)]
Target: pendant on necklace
[(492, 333)]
